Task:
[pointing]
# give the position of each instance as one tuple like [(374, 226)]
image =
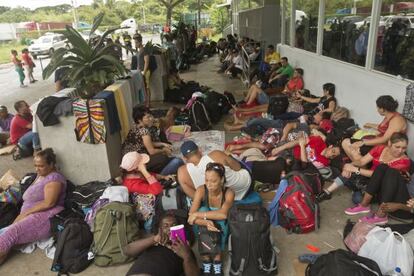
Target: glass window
[(346, 30), (395, 41), (250, 4), (306, 24)]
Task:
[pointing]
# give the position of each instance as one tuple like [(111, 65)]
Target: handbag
[(208, 241), (389, 249)]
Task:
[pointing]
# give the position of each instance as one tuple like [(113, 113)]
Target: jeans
[(265, 123), (30, 139), (172, 166)]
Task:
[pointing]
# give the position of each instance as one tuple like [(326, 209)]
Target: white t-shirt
[(238, 181), (238, 62)]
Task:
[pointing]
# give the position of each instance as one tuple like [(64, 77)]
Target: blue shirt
[(5, 123)]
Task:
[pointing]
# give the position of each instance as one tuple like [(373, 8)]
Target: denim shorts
[(262, 98)]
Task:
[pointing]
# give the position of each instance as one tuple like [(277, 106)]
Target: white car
[(47, 45), (367, 20)]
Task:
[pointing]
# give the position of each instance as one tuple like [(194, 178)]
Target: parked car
[(47, 45), (367, 20), (407, 20), (86, 34)]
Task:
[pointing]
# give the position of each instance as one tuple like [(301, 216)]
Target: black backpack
[(278, 105), (251, 251), (343, 263), (85, 195), (199, 118), (216, 104), (72, 247)]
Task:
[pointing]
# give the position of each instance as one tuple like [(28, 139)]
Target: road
[(11, 92)]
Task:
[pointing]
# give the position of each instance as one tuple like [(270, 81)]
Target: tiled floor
[(327, 238)]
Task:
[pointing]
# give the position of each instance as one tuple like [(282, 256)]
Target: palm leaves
[(92, 66)]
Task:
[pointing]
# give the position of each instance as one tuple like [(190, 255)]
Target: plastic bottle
[(395, 272)]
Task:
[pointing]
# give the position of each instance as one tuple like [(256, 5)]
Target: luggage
[(115, 226), (199, 117), (298, 210), (72, 247), (343, 263), (8, 213), (57, 221), (84, 196), (250, 248), (278, 105)]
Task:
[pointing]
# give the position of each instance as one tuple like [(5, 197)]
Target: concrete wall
[(356, 88), (81, 162), (261, 24)]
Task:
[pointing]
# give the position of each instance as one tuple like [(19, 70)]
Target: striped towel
[(90, 124)]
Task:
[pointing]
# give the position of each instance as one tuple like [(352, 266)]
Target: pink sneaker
[(357, 209), (374, 219)]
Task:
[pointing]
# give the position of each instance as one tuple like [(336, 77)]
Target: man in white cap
[(192, 175)]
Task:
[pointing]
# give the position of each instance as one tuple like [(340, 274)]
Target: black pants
[(389, 186), (235, 71), (268, 171), (158, 162)]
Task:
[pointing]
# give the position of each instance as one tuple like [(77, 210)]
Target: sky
[(33, 4)]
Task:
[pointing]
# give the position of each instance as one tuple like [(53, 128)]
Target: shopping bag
[(389, 249)]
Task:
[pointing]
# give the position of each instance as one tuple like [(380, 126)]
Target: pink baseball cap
[(133, 159)]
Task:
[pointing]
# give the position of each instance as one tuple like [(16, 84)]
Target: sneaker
[(374, 219), (23, 86), (324, 195), (357, 209)]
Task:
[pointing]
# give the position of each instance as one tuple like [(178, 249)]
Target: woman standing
[(18, 66), (210, 208)]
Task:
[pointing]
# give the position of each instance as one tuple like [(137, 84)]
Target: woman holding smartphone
[(210, 208)]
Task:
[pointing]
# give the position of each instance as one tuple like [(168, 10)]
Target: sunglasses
[(216, 167)]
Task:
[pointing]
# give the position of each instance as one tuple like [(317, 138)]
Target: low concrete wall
[(356, 88), (82, 162)]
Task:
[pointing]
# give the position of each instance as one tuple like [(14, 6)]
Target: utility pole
[(75, 15), (199, 14)]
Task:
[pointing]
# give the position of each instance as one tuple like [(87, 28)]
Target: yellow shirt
[(272, 57)]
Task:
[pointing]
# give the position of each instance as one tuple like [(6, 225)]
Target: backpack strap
[(122, 234), (106, 231), (272, 266), (56, 267)]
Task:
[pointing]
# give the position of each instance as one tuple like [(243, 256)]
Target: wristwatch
[(358, 172)]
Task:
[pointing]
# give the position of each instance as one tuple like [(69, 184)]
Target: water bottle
[(395, 272)]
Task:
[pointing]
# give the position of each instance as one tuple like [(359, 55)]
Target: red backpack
[(298, 210)]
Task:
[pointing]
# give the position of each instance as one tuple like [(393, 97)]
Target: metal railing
[(228, 30), (247, 64)]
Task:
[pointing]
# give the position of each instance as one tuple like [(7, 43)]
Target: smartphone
[(177, 231)]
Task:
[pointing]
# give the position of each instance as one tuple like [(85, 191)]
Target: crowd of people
[(374, 165)]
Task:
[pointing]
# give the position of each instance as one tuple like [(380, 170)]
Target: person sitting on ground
[(393, 122), (158, 256), (142, 140), (236, 65), (283, 74), (384, 184), (28, 65), (309, 149), (295, 83), (169, 119), (5, 122), (327, 103), (42, 200), (392, 154), (136, 177), (175, 82), (211, 204), (255, 54), (61, 81), (192, 175), (21, 133)]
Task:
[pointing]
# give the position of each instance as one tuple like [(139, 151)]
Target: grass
[(5, 49)]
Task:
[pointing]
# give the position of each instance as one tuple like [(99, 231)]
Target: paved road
[(11, 92)]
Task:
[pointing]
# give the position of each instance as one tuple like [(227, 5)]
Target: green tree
[(169, 6)]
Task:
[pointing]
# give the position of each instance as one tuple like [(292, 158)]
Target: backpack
[(250, 248), (344, 128), (152, 66), (57, 222), (343, 263), (26, 181), (298, 210), (278, 105), (72, 247), (215, 104), (115, 226), (199, 118), (339, 113), (408, 110)]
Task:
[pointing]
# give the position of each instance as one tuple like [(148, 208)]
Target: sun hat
[(133, 159)]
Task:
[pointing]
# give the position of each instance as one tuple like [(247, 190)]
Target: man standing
[(21, 133), (5, 122), (28, 65), (192, 175)]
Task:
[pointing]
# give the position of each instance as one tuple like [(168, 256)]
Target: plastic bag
[(357, 237), (389, 249)]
